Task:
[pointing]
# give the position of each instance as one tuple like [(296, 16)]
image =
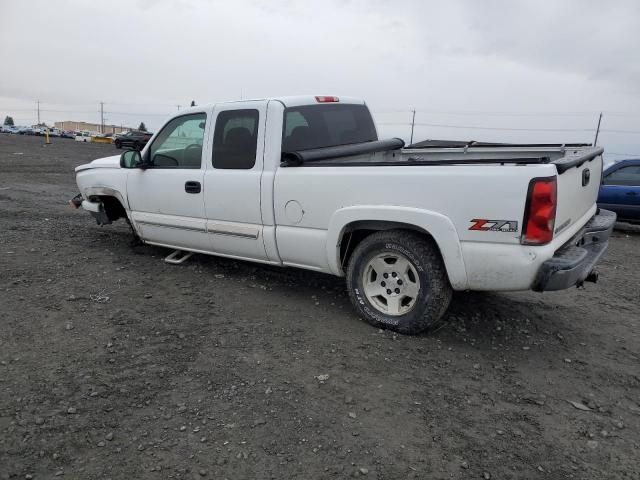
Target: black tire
[(137, 146), (434, 293), (118, 145)]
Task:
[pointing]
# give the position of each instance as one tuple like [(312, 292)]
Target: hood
[(106, 162)]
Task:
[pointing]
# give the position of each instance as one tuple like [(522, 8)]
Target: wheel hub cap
[(391, 283)]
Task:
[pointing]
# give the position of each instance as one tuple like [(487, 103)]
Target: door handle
[(633, 194), (192, 187)]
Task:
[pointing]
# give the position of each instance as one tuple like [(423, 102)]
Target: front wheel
[(397, 280)]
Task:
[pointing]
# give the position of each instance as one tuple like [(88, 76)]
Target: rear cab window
[(235, 139), (326, 125)]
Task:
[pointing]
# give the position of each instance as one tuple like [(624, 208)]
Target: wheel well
[(112, 207), (355, 232)]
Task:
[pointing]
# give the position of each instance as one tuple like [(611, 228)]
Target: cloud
[(146, 57)]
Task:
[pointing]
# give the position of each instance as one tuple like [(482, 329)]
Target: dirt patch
[(114, 364)]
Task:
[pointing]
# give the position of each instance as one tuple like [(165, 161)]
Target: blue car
[(620, 190)]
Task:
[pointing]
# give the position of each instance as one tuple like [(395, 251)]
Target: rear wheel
[(137, 146), (397, 280), (118, 145)]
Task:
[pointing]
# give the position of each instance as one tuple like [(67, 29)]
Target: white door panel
[(233, 195), (232, 183), (167, 198), (162, 209)]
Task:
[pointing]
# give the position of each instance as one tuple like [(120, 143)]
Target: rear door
[(166, 199), (232, 181)]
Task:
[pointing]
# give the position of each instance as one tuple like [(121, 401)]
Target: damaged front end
[(95, 208)]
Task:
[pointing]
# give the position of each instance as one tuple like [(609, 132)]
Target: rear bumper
[(572, 264)]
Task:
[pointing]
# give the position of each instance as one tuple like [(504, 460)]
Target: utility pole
[(38, 103), (413, 122), (101, 117), (178, 107), (595, 142)]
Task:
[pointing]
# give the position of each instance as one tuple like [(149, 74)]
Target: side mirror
[(130, 159)]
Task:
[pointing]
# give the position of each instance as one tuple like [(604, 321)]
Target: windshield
[(317, 126)]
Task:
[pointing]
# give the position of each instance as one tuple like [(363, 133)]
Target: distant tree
[(8, 120), (193, 103), (142, 127)]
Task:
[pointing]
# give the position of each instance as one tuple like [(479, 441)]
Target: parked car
[(304, 182), (25, 131), (54, 132), (68, 134), (84, 136), (133, 139), (620, 190)]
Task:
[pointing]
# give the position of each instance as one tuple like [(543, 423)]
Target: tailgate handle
[(192, 187)]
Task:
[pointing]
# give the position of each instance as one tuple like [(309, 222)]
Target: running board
[(178, 257)]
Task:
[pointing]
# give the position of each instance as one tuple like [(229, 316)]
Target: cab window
[(317, 126), (179, 143), (235, 139)]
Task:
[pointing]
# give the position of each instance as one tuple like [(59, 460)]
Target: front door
[(167, 198), (232, 181)]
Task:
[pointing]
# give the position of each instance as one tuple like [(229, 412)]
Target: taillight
[(540, 211), (325, 99)]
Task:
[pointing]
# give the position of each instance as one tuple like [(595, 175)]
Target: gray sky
[(549, 65)]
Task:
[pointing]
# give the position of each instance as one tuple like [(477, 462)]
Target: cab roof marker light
[(326, 99)]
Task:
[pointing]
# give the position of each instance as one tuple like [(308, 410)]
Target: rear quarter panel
[(462, 194)]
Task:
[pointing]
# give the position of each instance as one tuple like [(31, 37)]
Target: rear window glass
[(317, 126), (235, 139)]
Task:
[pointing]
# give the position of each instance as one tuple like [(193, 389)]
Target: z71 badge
[(485, 225)]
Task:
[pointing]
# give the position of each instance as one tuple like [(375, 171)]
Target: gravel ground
[(114, 364)]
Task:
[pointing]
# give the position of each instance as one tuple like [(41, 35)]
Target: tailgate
[(579, 173)]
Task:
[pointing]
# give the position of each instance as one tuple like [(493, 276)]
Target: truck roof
[(287, 101)]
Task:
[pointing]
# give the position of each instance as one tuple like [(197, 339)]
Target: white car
[(305, 182), (84, 136)]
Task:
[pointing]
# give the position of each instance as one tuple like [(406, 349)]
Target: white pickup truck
[(305, 182)]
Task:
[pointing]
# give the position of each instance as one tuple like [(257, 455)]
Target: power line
[(632, 132), (510, 129), (507, 114), (474, 127), (101, 117), (139, 113)]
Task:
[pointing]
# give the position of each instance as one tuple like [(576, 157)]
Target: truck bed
[(392, 153)]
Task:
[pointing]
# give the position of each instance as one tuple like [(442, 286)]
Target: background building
[(92, 127)]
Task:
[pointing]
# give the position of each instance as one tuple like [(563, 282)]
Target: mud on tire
[(426, 272)]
